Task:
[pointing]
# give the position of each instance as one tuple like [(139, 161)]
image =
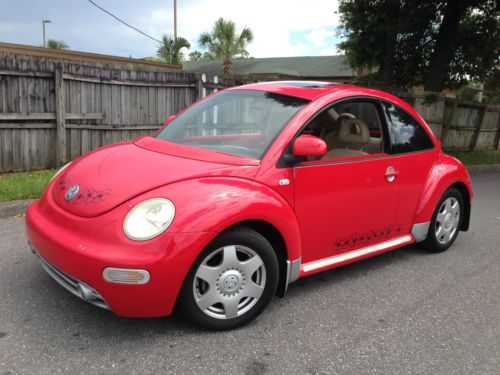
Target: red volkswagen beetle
[(243, 193)]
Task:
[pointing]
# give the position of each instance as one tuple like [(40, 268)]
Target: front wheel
[(446, 222), (232, 280)]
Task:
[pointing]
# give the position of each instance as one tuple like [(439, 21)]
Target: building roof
[(301, 66), (22, 49)]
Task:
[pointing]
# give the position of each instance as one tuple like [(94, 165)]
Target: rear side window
[(407, 135)]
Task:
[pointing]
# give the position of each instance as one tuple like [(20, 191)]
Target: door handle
[(391, 173)]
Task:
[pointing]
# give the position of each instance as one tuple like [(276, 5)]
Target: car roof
[(312, 90)]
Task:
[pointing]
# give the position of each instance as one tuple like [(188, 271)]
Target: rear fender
[(446, 172)]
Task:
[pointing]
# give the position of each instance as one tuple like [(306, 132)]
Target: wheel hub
[(230, 282), (448, 221)]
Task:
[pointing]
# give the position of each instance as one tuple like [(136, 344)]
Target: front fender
[(213, 204), (445, 172)]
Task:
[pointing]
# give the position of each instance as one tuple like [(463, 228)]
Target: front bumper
[(75, 250), (74, 286)]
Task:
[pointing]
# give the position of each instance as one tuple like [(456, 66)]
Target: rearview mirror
[(309, 145), (169, 119)]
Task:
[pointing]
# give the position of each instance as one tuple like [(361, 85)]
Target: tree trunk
[(386, 69), (388, 56), (227, 66), (445, 45)]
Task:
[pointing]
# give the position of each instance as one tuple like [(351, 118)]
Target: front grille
[(71, 284)]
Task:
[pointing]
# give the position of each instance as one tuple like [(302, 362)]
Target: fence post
[(199, 87), (447, 122), (475, 136), (497, 136), (201, 90), (60, 117)]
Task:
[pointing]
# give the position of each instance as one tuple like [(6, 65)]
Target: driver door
[(347, 203)]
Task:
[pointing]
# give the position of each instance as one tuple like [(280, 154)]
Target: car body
[(320, 198)]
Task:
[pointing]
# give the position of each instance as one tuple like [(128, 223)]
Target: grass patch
[(477, 157), (14, 186)]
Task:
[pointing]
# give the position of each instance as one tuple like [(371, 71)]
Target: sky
[(280, 27)]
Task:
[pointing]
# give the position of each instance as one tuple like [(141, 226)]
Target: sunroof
[(307, 84)]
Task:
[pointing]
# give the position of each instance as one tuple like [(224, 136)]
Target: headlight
[(60, 171), (148, 219)]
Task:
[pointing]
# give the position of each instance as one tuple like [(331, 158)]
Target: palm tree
[(195, 56), (57, 44), (225, 43), (170, 50)]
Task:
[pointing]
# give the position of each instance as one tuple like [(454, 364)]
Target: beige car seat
[(331, 137), (354, 133)]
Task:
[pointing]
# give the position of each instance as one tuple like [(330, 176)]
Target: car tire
[(446, 222), (232, 280)]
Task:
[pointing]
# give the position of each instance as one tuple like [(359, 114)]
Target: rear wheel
[(232, 280), (446, 222)]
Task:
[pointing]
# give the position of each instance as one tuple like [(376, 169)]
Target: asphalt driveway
[(404, 312)]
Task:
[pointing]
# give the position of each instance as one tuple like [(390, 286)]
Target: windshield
[(236, 122)]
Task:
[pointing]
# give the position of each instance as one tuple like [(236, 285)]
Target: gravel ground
[(404, 312)]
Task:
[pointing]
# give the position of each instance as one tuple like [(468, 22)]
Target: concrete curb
[(14, 208), (480, 168)]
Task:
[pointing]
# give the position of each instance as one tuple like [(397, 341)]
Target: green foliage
[(195, 56), (394, 41), (57, 44), (15, 186), (224, 43), (170, 51), (492, 89), (430, 98)]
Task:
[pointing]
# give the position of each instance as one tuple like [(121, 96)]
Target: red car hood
[(114, 174)]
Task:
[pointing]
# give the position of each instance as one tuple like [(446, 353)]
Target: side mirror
[(169, 119), (309, 145)]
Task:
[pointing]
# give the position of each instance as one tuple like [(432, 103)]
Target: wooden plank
[(475, 135), (6, 151), (127, 82), (115, 105), (61, 154), (86, 141), (31, 125), (25, 150), (27, 116), (152, 113), (17, 162), (83, 116), (112, 127), (48, 116), (25, 73), (447, 123)]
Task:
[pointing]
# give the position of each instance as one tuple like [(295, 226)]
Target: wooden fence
[(461, 125), (53, 110)]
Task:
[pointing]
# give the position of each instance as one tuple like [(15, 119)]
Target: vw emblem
[(70, 194)]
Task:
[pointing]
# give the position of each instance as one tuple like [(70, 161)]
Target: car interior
[(348, 129)]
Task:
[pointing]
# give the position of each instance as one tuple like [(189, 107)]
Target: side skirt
[(310, 268)]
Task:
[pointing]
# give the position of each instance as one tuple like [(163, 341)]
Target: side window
[(349, 129), (365, 111), (407, 135)]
